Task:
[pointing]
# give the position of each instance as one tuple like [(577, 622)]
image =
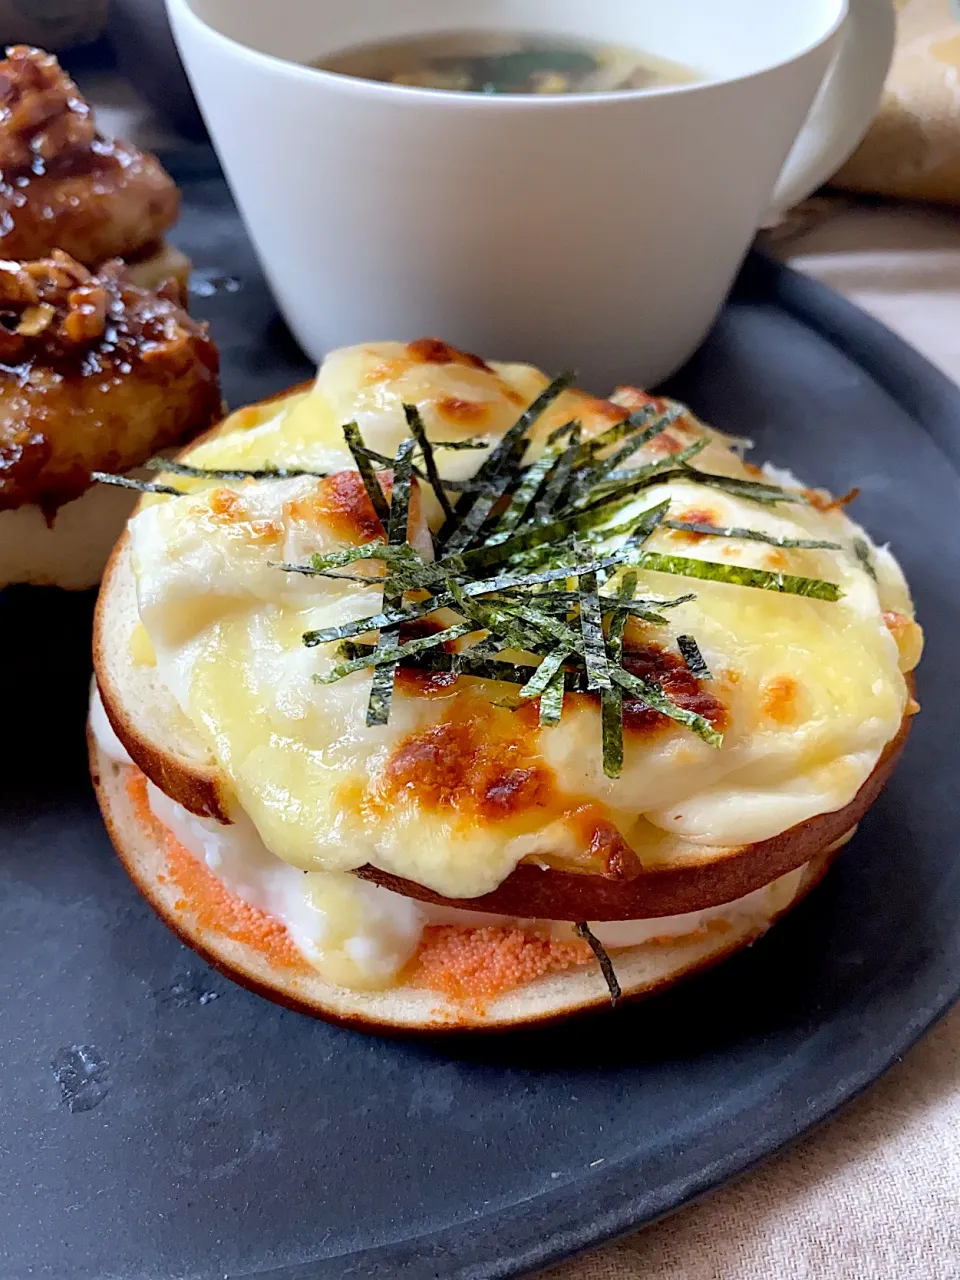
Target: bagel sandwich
[(439, 695)]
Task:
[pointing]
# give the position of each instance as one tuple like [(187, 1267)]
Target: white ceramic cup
[(597, 231)]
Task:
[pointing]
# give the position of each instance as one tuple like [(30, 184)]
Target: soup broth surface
[(501, 62)]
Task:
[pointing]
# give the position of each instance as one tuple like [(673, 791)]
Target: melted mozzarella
[(814, 689)]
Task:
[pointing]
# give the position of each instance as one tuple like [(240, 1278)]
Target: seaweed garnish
[(696, 663), (141, 486), (376, 656), (540, 560), (494, 474), (559, 475), (611, 698), (351, 433), (419, 431), (551, 701), (385, 670), (583, 931), (863, 555), (755, 490), (750, 535), (591, 630), (741, 576), (231, 473)]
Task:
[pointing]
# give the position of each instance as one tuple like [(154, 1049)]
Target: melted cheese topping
[(455, 791)]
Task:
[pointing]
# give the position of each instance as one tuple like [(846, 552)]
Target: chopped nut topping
[(95, 374), (41, 111), (55, 309)]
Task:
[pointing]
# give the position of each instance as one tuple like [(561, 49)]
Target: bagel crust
[(405, 1009)]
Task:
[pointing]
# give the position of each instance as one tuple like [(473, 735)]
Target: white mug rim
[(453, 99)]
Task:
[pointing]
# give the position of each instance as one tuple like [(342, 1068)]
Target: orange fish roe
[(475, 966), (206, 899)]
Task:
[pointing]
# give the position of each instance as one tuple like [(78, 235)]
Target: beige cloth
[(913, 147), (875, 1193), (873, 1196)]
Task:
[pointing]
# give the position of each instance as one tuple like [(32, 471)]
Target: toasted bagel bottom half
[(266, 962)]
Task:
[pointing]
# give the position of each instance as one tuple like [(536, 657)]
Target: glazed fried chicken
[(62, 185), (95, 374)]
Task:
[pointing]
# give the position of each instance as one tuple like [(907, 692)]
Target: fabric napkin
[(913, 147)]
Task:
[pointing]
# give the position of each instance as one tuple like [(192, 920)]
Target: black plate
[(158, 1122)]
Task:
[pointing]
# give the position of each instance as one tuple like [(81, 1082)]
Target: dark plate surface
[(158, 1122)]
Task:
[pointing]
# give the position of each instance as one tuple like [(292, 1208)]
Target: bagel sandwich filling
[(442, 624)]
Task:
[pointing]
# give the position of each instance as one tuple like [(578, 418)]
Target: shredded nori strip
[(657, 700), (611, 698), (553, 534), (525, 493), (381, 687), (376, 656), (863, 555), (557, 434), (564, 601), (495, 472), (235, 473), (752, 535), (602, 470), (404, 560), (690, 652), (415, 423), (500, 456), (740, 576), (471, 443), (543, 674), (628, 425), (141, 486), (646, 523), (591, 629), (559, 476), (551, 701), (356, 446), (486, 668), (466, 531), (603, 960), (740, 488), (650, 694), (634, 478)]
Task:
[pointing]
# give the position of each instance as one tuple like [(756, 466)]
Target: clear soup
[(501, 62)]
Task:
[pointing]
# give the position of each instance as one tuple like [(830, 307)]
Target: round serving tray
[(159, 1122)]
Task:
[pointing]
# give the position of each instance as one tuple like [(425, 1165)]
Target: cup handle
[(844, 106)]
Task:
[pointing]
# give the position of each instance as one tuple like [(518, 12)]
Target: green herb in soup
[(493, 63)]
